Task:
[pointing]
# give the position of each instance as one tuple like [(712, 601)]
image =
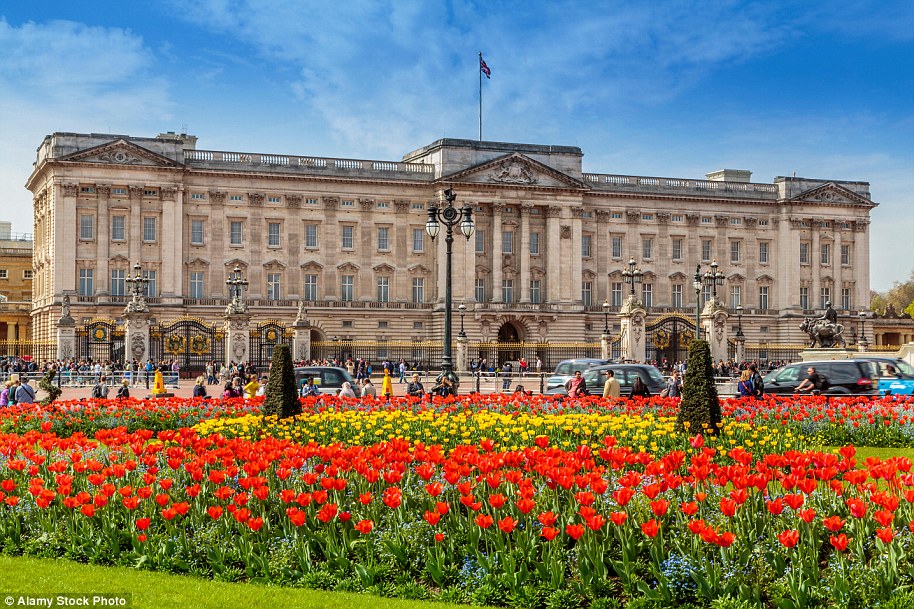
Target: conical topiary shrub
[(699, 410), (282, 394)]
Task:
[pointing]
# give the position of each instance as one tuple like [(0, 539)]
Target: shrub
[(699, 410), (47, 384), (282, 395)]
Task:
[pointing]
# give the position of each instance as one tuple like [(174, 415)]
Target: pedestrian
[(639, 389), (612, 387), (674, 385), (415, 388), (25, 394), (346, 391), (758, 384), (506, 376), (150, 369), (123, 392), (744, 386), (368, 389), (576, 386), (100, 391), (402, 367), (5, 394), (250, 390), (309, 389)]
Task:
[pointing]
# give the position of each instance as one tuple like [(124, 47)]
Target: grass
[(150, 590), (883, 453)]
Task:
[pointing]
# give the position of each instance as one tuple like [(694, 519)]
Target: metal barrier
[(74, 378)]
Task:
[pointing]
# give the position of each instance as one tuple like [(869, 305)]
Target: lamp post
[(714, 278), (632, 275), (863, 343), (605, 317), (463, 309), (450, 216), (236, 284), (696, 283), (138, 283), (739, 327)]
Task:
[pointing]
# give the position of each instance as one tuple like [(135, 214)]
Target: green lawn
[(883, 453), (158, 591)]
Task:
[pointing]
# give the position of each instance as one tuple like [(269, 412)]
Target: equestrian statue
[(824, 331)]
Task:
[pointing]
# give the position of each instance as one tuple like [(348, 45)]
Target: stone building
[(347, 237), (15, 285)]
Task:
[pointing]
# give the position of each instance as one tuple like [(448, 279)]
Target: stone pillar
[(497, 253), (714, 329), (461, 363), (237, 337), (11, 331), (66, 337), (553, 254), (136, 335), (631, 321), (740, 348), (605, 351), (524, 254), (301, 340), (577, 261), (103, 239)]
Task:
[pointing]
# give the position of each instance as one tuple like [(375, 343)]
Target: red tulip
[(549, 533), (214, 512), (660, 507), (142, 523), (575, 531), (885, 535), (727, 507), (439, 537), (618, 518), (789, 538), (296, 516), (525, 505), (433, 518), (650, 528), (364, 526), (689, 508), (255, 523), (857, 507), (507, 524), (547, 519), (725, 539), (884, 518), (775, 507), (807, 515), (839, 541), (484, 521), (833, 523)]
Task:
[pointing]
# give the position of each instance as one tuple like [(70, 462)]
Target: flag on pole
[(484, 68)]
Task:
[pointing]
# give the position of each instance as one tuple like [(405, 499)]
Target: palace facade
[(347, 237)]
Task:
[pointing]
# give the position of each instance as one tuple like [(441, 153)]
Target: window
[(150, 192), (535, 291), (677, 249), (647, 248), (705, 294), (87, 189), (273, 229), (586, 240), (845, 254), (383, 204), (616, 294), (846, 298), (677, 295), (534, 244), (235, 233), (311, 235), (118, 228), (347, 237), (616, 215), (705, 250), (617, 247), (86, 228), (346, 284), (348, 203), (383, 324), (274, 286), (418, 240), (197, 196), (273, 200), (763, 222), (118, 285), (804, 253), (86, 282), (763, 252), (707, 220), (824, 296), (804, 298), (311, 287), (310, 201), (383, 289), (735, 221), (647, 294), (736, 296), (480, 290), (196, 232), (118, 191), (196, 284), (825, 253), (734, 251), (28, 274), (418, 289), (677, 218), (149, 229), (586, 293), (236, 198), (418, 325), (763, 297), (151, 289), (383, 240), (417, 206), (507, 290), (647, 216), (507, 242), (480, 241), (4, 274)]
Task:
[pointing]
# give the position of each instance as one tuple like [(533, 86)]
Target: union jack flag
[(484, 68)]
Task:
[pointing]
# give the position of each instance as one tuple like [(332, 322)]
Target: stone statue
[(824, 331), (302, 312), (65, 306), (236, 307), (137, 303)]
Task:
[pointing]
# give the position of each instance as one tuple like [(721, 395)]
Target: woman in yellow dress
[(387, 386), (250, 390)]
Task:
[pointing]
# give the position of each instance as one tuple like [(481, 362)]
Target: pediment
[(831, 194), (736, 277), (347, 266), (121, 152), (678, 276), (312, 265), (418, 269), (765, 278), (383, 268), (197, 262), (515, 170), (236, 262), (119, 259), (275, 264)]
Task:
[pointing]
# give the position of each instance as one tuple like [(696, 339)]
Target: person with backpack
[(24, 393), (758, 385), (814, 383), (100, 391), (123, 392)]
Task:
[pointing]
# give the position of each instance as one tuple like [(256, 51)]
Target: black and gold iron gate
[(668, 339), (264, 338), (101, 340), (189, 340)]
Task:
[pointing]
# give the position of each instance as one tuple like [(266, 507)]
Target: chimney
[(730, 175)]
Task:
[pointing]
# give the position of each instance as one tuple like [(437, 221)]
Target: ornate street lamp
[(739, 327), (138, 283), (697, 283), (605, 317), (863, 343), (632, 275), (714, 278), (236, 284), (450, 216), (463, 309)]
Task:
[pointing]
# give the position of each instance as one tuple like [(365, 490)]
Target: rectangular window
[(383, 289), (118, 285), (647, 248), (763, 222), (534, 244), (705, 294), (236, 198), (763, 297), (311, 235), (825, 253), (348, 203), (707, 220), (149, 229), (736, 296), (616, 215), (86, 228), (235, 232), (586, 240), (151, 289), (311, 287), (310, 201), (274, 286), (677, 295), (763, 252), (824, 296), (196, 284), (507, 290), (647, 216), (804, 253), (677, 249), (198, 196), (647, 294), (535, 291), (418, 289), (118, 228), (507, 242), (150, 193), (804, 298), (735, 251), (28, 274), (347, 238), (735, 221), (480, 241), (273, 200), (118, 191), (273, 229), (845, 254), (480, 290), (383, 238), (86, 282), (418, 240), (706, 250), (196, 232), (677, 218), (846, 299), (617, 247), (616, 294), (346, 284), (587, 293)]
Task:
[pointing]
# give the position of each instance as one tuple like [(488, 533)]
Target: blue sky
[(823, 89)]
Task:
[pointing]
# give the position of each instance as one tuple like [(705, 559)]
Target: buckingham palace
[(345, 239)]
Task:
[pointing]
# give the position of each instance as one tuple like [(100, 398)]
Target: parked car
[(327, 378), (566, 369), (845, 377), (626, 374)]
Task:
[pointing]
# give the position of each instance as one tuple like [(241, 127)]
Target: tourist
[(612, 387), (100, 391), (415, 388), (368, 389), (639, 389), (123, 392), (576, 386), (445, 388), (309, 389), (506, 376), (758, 385), (674, 386), (228, 391), (346, 391), (402, 370), (5, 394), (250, 390), (24, 393), (744, 386), (813, 383)]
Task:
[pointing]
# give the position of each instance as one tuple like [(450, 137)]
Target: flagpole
[(480, 95)]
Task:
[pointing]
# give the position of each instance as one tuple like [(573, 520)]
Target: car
[(844, 376), (566, 369), (896, 376), (328, 379), (626, 374)]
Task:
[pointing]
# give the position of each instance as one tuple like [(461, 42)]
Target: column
[(461, 362), (786, 252), (815, 263), (497, 254), (603, 255), (714, 330), (861, 258), (301, 340), (631, 322), (214, 236), (553, 254), (66, 337), (66, 234), (329, 241), (237, 332), (577, 262), (11, 331), (524, 253), (135, 229), (171, 236), (136, 335), (103, 239)]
